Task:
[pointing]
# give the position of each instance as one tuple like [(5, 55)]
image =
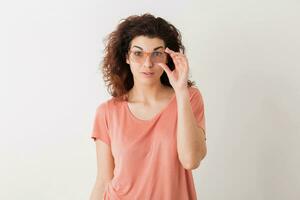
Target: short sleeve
[(197, 105), (100, 126)]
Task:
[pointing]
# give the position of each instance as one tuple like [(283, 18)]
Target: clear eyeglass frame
[(139, 56)]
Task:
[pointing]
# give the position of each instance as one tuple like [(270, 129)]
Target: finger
[(182, 64), (173, 52), (181, 56), (165, 68), (176, 62), (169, 51), (173, 56), (180, 60)]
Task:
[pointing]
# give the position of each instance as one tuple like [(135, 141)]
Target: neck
[(146, 94)]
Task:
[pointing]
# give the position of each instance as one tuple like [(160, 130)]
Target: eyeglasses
[(139, 56)]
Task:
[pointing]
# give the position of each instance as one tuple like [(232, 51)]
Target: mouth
[(148, 73)]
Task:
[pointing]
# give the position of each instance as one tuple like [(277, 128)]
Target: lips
[(148, 73)]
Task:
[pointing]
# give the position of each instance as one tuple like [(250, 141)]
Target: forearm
[(191, 144), (98, 190)]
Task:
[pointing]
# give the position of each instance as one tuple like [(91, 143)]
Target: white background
[(243, 55)]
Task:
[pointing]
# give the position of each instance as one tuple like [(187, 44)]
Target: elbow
[(193, 163), (191, 166)]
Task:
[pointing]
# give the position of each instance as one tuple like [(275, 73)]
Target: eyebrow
[(153, 49)]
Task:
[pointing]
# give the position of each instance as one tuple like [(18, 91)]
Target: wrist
[(182, 92)]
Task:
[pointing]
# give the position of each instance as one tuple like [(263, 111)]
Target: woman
[(151, 133)]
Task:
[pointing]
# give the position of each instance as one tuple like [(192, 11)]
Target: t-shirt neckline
[(155, 116)]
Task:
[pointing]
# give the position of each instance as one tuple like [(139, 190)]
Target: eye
[(157, 53), (138, 53)]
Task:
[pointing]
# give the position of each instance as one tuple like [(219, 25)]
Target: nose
[(148, 62)]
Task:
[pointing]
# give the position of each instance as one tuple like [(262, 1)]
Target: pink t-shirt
[(147, 166)]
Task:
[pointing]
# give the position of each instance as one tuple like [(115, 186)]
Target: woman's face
[(141, 62)]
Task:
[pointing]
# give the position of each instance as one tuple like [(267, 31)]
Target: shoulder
[(109, 104), (195, 95), (194, 90)]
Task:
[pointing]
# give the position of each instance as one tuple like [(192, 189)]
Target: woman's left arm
[(191, 144)]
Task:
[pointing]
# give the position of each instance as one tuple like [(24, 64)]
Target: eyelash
[(138, 52)]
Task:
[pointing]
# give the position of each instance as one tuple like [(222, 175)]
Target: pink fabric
[(145, 151)]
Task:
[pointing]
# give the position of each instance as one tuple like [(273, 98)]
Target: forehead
[(146, 43)]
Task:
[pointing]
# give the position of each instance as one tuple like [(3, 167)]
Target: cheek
[(134, 69), (159, 69)]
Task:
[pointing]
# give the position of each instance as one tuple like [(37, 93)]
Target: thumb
[(165, 68)]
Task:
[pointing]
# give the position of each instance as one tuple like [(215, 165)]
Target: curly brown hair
[(116, 72)]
